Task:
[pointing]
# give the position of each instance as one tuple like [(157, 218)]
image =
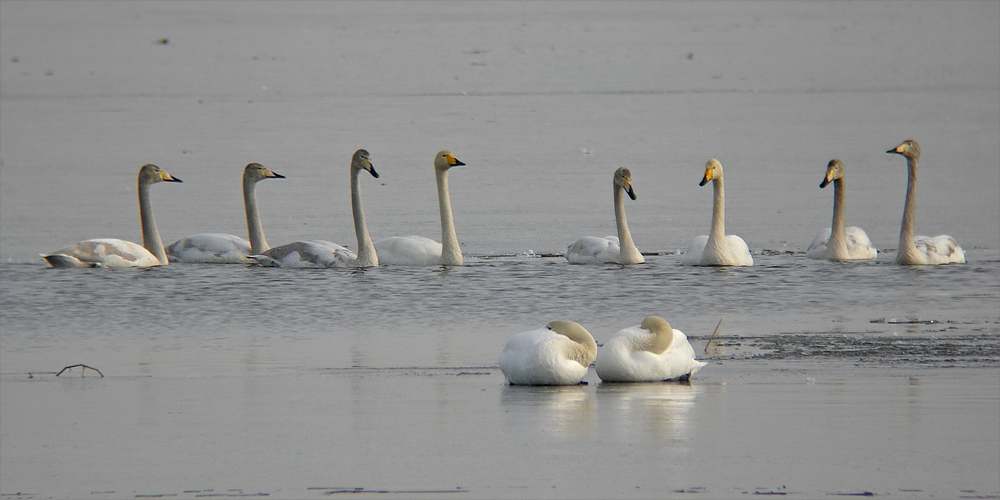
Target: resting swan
[(120, 253), (421, 251), (916, 250), (558, 354), (221, 248), (595, 250), (322, 253), (651, 352), (717, 249), (838, 242)]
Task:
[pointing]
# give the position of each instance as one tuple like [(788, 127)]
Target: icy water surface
[(824, 379)]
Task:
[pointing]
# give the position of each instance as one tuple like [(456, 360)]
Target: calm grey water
[(824, 378)]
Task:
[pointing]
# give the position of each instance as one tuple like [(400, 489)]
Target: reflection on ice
[(562, 411), (661, 409)]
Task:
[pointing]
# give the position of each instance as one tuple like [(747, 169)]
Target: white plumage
[(558, 354), (717, 248), (651, 352), (618, 249), (838, 242)]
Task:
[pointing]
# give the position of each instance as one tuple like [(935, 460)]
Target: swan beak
[(273, 175), (827, 179), (371, 170), (455, 162), (167, 177), (898, 149), (628, 189), (708, 177)]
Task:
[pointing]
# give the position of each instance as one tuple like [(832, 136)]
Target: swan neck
[(255, 229), (628, 253), (150, 234), (366, 250), (718, 232), (906, 245), (838, 229), (661, 340), (451, 254)]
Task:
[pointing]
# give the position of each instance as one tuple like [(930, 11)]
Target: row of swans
[(561, 354), (838, 242)]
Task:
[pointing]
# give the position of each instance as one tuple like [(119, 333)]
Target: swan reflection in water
[(565, 411), (662, 409)]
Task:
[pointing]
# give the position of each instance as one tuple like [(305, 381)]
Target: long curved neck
[(451, 254), (906, 246), (661, 340), (257, 242), (628, 253), (838, 229), (718, 232), (150, 234), (366, 250)]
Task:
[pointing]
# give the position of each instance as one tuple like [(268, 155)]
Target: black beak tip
[(374, 173), (458, 163), (703, 182), (278, 176)]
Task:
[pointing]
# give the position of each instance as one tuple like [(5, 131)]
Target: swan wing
[(695, 251), (594, 250), (102, 253), (621, 359), (818, 249), (408, 251), (312, 253), (739, 252), (859, 245), (209, 248), (941, 249), (539, 357)]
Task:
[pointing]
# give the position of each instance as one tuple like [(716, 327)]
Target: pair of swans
[(561, 353), (620, 249), (120, 253)]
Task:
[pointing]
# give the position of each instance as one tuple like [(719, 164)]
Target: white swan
[(558, 354), (221, 248), (717, 248), (322, 253), (421, 251), (621, 249), (651, 352), (915, 250), (121, 253), (838, 242)]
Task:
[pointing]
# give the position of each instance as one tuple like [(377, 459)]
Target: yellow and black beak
[(708, 176), (629, 191), (167, 177), (455, 162)]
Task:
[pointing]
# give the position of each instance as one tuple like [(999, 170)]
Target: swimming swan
[(121, 253), (717, 249), (558, 354), (651, 352), (221, 248), (421, 251), (322, 253), (837, 242), (915, 250), (595, 250)]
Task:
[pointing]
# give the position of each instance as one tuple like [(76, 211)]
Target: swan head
[(577, 333), (663, 333), (363, 161), (908, 148), (151, 174), (834, 171), (713, 171), (445, 160), (623, 180), (255, 172)]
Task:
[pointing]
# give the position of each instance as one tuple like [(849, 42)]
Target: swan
[(120, 253), (915, 250), (651, 352), (221, 248), (558, 354), (837, 242), (718, 248), (421, 251), (322, 253), (596, 250)]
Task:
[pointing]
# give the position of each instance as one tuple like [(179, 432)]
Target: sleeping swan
[(558, 354), (322, 253), (651, 352), (221, 248), (914, 250), (595, 250), (838, 242), (421, 251), (121, 253), (717, 249)]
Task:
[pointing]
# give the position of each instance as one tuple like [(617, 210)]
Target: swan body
[(838, 242), (121, 253), (651, 352), (717, 248), (421, 251), (322, 253), (920, 250), (558, 354), (620, 249), (221, 248)]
